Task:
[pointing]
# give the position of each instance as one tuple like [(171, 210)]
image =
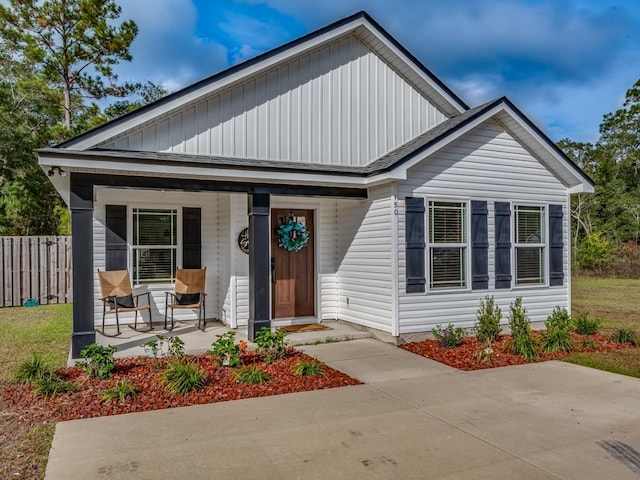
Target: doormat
[(307, 327)]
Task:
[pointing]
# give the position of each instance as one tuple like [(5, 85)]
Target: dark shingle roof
[(383, 164)]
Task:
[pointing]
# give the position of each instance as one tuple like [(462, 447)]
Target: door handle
[(273, 270)]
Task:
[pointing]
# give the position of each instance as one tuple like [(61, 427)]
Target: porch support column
[(81, 203), (259, 263)]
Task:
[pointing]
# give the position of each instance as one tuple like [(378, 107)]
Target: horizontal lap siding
[(340, 104), (365, 269), (484, 164), (163, 200)]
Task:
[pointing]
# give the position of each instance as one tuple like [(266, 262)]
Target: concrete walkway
[(413, 419)]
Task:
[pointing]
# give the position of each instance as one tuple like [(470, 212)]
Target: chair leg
[(166, 307), (135, 321), (117, 321)]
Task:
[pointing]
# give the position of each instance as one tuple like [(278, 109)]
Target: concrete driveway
[(413, 419)]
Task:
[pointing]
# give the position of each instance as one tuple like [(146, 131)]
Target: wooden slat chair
[(118, 297), (189, 294)]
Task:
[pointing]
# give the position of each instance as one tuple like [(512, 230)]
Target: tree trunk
[(67, 107)]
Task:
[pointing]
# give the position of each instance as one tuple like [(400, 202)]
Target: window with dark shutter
[(155, 245), (116, 237), (530, 244), (556, 245), (447, 245), (415, 244), (479, 246), (503, 244)]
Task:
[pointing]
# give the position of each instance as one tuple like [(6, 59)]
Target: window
[(155, 245), (530, 241), (447, 245)]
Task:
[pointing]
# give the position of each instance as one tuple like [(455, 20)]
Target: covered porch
[(240, 286)]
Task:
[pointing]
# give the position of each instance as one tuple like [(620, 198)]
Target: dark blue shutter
[(116, 237), (191, 238), (479, 246), (503, 244), (556, 245), (415, 244)]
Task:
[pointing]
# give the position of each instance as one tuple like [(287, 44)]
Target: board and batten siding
[(365, 267), (339, 104), (208, 202), (487, 164)]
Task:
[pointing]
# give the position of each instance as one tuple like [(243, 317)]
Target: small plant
[(173, 346), (556, 338), (622, 335), (32, 370), (98, 360), (585, 325), (182, 377), (450, 337), (226, 350), (51, 385), (120, 390), (488, 318), (308, 368), (251, 375), (520, 324), (271, 343)]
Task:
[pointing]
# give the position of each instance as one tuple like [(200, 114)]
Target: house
[(413, 206)]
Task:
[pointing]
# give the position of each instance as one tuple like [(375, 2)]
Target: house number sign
[(243, 240)]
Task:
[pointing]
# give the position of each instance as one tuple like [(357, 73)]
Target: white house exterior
[(417, 206)]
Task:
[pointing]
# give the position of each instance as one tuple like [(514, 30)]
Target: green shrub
[(520, 325), (251, 375), (32, 370), (271, 343), (488, 319), (182, 377), (121, 390), (308, 368), (51, 385), (98, 360), (225, 347), (450, 337), (594, 251), (557, 338), (623, 335), (585, 325)]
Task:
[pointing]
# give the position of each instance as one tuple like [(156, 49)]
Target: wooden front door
[(292, 278)]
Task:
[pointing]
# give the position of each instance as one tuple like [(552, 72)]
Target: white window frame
[(466, 245), (130, 228), (544, 245)]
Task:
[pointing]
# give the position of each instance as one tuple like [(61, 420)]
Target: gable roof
[(397, 161), (370, 32)]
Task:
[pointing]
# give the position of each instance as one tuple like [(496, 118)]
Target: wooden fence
[(35, 268)]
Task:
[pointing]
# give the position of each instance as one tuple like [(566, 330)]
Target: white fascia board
[(581, 186), (182, 100), (86, 164), (434, 85)]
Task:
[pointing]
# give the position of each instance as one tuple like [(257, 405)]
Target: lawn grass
[(615, 300), (624, 362), (24, 448)]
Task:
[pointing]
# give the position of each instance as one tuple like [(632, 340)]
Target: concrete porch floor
[(130, 342)]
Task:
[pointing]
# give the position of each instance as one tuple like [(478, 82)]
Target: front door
[(292, 279)]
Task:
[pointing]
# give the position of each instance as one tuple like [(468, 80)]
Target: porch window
[(155, 245), (530, 242), (447, 245)]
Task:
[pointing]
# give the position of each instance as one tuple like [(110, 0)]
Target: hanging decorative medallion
[(292, 235), (243, 240)]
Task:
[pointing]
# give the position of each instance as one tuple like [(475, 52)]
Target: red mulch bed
[(466, 356), (145, 372)]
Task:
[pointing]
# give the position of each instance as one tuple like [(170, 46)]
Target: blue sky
[(565, 63)]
